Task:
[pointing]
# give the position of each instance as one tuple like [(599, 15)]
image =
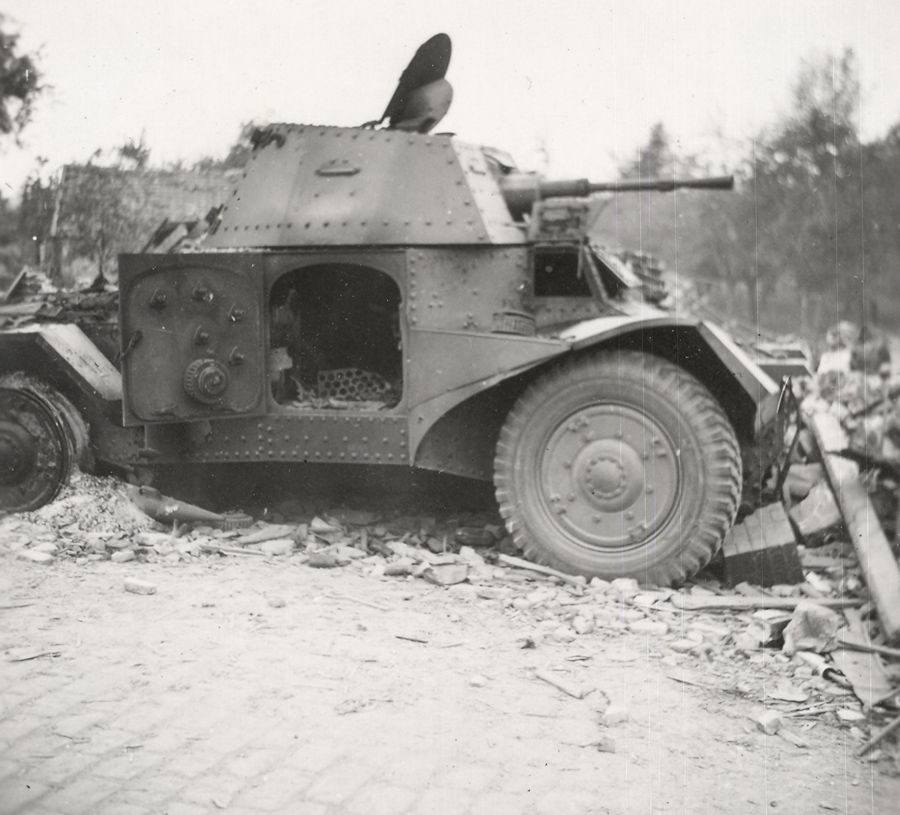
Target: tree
[(20, 83), (238, 153)]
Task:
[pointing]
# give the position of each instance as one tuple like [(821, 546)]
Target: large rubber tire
[(618, 464), (42, 439)]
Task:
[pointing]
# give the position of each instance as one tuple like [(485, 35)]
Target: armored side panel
[(192, 332), (331, 186)]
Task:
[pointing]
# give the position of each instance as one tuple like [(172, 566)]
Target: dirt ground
[(257, 684)]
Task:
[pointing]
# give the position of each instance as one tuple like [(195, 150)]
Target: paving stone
[(442, 801), (75, 724), (153, 791), (142, 717), (194, 760), (181, 808), (58, 702), (218, 786), (165, 742), (313, 757), (114, 808), (415, 769), (336, 784), (381, 799), (41, 744), (569, 801), (18, 726), (132, 763), (275, 791), (8, 767), (17, 791), (499, 803), (102, 739), (470, 778), (236, 736), (80, 796), (63, 766), (251, 764)]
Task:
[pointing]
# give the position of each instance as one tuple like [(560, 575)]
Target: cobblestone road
[(362, 696)]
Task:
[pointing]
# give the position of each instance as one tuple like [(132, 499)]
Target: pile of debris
[(822, 638)]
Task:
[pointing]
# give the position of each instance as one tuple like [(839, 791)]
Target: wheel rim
[(34, 454), (610, 477)]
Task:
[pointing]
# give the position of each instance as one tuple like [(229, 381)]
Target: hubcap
[(610, 476), (17, 453), (34, 457)]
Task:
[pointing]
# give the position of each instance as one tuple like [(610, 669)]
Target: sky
[(569, 88)]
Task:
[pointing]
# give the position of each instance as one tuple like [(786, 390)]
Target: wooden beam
[(879, 566)]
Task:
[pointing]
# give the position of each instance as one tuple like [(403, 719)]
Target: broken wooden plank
[(864, 670), (560, 684), (880, 569), (879, 737), (518, 563), (688, 602)]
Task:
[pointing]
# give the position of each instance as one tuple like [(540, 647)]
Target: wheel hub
[(17, 453), (35, 453), (612, 476)]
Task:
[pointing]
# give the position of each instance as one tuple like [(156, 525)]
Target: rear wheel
[(42, 437), (618, 465)]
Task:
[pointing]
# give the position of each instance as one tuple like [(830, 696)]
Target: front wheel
[(618, 464)]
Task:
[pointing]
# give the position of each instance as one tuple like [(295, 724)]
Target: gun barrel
[(521, 191), (722, 182)]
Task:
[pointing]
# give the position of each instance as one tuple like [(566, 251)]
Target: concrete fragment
[(605, 744), (582, 625), (801, 478), (767, 720), (47, 547), (793, 738), (153, 539), (135, 586), (784, 691), (122, 556), (682, 646), (400, 568), (817, 515), (624, 587), (321, 527), (278, 547), (447, 574), (473, 536), (812, 628), (614, 715), (322, 560), (598, 585), (653, 628), (468, 555), (268, 532), (36, 557)]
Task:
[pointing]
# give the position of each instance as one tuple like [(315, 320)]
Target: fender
[(455, 430), (755, 382), (72, 358)]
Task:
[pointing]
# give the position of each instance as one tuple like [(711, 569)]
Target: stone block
[(762, 550)]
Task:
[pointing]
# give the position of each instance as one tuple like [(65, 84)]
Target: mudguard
[(72, 357)]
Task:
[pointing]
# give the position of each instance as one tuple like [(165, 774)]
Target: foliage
[(238, 153), (815, 213), (20, 83)]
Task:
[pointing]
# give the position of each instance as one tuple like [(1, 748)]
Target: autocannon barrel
[(521, 191)]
